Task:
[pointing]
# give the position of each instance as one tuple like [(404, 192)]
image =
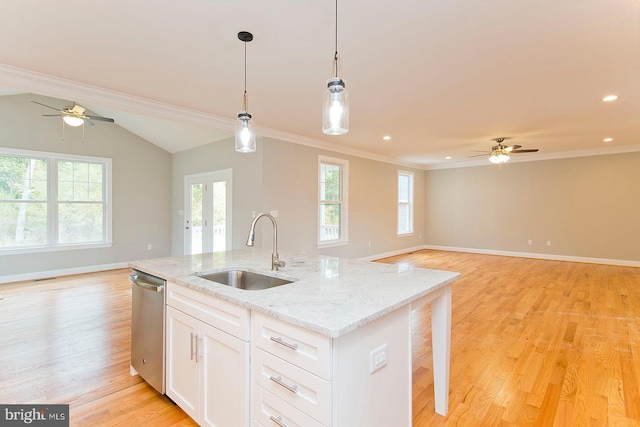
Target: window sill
[(405, 234), (332, 244)]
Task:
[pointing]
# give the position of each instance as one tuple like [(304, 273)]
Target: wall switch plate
[(377, 358), (530, 242), (149, 247), (548, 242), (274, 214)]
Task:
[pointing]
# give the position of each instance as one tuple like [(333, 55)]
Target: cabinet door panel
[(225, 363), (182, 371)]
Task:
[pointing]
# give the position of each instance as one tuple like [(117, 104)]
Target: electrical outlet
[(378, 358)]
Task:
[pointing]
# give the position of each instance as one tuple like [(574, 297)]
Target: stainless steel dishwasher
[(147, 328)]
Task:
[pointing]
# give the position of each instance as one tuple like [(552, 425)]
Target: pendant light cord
[(335, 58), (245, 103)]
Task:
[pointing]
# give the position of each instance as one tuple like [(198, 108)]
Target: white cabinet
[(301, 378), (294, 377), (207, 368)]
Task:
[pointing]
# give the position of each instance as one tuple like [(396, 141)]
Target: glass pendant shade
[(245, 134), (335, 112), (73, 121)]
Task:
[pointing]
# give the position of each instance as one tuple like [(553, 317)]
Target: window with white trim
[(405, 202), (333, 178), (51, 201)]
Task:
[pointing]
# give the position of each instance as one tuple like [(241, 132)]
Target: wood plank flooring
[(534, 342)]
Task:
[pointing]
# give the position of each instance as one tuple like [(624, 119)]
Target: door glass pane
[(219, 216), (196, 218)]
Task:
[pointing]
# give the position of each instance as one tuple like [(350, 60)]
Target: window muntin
[(49, 201), (405, 202), (332, 215)]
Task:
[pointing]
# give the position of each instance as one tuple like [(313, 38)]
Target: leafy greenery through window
[(332, 201), (49, 200)]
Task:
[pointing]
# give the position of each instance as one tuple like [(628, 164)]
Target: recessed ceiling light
[(448, 158), (608, 139), (610, 98), (386, 137)]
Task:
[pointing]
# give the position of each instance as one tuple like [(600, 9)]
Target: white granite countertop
[(331, 296)]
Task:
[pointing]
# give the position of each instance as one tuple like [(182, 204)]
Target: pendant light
[(335, 112), (245, 132)]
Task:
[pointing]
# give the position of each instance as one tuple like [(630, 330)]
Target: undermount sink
[(246, 280)]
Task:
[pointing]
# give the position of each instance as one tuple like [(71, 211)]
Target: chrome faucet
[(275, 261)]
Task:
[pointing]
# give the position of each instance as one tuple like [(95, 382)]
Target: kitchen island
[(333, 348)]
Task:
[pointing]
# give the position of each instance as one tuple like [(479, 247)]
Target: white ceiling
[(440, 77)]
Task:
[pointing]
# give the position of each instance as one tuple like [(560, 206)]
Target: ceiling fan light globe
[(73, 121)]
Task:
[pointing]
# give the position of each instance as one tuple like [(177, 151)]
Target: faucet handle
[(275, 262)]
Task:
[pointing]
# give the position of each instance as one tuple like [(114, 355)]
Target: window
[(49, 201), (333, 208), (405, 202)]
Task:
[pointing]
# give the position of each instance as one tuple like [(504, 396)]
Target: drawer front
[(224, 315), (270, 410), (304, 348), (299, 388)]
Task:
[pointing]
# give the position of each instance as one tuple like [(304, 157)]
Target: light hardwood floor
[(534, 342)]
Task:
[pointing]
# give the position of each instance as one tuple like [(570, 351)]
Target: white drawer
[(223, 315), (304, 348), (297, 387), (270, 410)]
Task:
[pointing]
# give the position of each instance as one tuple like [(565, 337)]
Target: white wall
[(291, 187), (283, 176), (247, 184), (586, 206), (141, 185)]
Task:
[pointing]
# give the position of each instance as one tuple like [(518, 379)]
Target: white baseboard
[(393, 253), (552, 257), (63, 272)]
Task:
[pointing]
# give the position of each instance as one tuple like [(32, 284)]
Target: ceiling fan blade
[(88, 122), (102, 119), (512, 148), (479, 155), (481, 151), (51, 115), (45, 105), (532, 150)]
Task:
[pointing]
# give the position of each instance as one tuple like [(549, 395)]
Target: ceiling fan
[(74, 115), (501, 153)]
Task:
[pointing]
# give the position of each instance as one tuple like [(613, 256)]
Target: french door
[(208, 212)]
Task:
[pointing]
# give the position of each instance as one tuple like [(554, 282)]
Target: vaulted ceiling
[(440, 78)]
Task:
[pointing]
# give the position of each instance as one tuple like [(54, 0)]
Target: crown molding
[(24, 80), (56, 87), (540, 157)]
